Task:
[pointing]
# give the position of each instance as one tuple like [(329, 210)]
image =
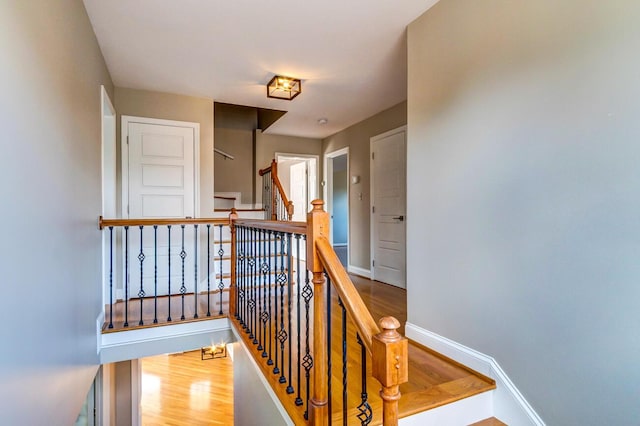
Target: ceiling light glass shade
[(284, 87)]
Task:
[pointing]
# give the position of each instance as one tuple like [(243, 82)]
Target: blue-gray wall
[(340, 207), (524, 186)]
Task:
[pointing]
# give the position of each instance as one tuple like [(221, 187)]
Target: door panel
[(389, 203), (161, 185)]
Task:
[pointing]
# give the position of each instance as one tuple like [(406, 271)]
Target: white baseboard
[(508, 403), (359, 271), (99, 323)]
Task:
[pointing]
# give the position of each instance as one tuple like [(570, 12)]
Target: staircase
[(329, 346)]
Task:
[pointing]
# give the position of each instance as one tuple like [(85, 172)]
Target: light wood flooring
[(179, 382), (163, 308), (433, 379), (181, 389)]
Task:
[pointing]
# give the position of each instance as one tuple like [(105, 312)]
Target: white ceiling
[(350, 54)]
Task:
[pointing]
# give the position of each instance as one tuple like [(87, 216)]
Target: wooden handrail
[(273, 169), (264, 171), (356, 309), (274, 225), (102, 222), (389, 350)]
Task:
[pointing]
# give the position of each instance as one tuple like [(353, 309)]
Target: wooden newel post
[(390, 358), (233, 289), (317, 226), (290, 209)]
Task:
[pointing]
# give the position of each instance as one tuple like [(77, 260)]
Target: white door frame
[(372, 192), (328, 190), (316, 157), (109, 180), (126, 119)]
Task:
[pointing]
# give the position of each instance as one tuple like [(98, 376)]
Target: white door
[(388, 189), (161, 182), (298, 190)]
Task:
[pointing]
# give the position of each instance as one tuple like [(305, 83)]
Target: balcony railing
[(288, 296), (164, 270)]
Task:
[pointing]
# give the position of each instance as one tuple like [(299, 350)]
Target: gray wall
[(50, 78), (167, 106), (234, 175), (523, 183), (357, 138)]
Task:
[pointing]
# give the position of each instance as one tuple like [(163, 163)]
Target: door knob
[(400, 218)]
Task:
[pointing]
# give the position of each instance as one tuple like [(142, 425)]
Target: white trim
[(108, 168), (509, 404), (359, 271), (340, 244), (99, 323), (126, 119), (141, 335), (372, 193), (305, 157), (136, 392)]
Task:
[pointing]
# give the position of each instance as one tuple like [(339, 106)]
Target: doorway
[(388, 206), (337, 201), (160, 179), (298, 175)]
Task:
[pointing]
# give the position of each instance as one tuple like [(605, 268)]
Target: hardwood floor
[(433, 379), (163, 308), (181, 389)]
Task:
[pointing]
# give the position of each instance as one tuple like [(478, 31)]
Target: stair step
[(492, 421)]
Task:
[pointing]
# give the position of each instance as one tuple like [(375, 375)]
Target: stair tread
[(492, 421)]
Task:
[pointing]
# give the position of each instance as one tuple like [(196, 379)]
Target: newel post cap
[(317, 205)]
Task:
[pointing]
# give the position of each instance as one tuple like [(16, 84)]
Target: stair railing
[(164, 270), (274, 199), (291, 300)]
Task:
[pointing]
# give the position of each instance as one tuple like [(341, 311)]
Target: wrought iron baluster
[(289, 289), (276, 236), (344, 362), (141, 293), (221, 283), (183, 255), (252, 284), (245, 282), (298, 397), (110, 277), (240, 275), (126, 276), (364, 409), (269, 275), (155, 274), (265, 282), (307, 360), (169, 273), (329, 343), (209, 268), (196, 255), (260, 253), (282, 334)]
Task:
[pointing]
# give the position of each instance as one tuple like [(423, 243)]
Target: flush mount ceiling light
[(281, 87)]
